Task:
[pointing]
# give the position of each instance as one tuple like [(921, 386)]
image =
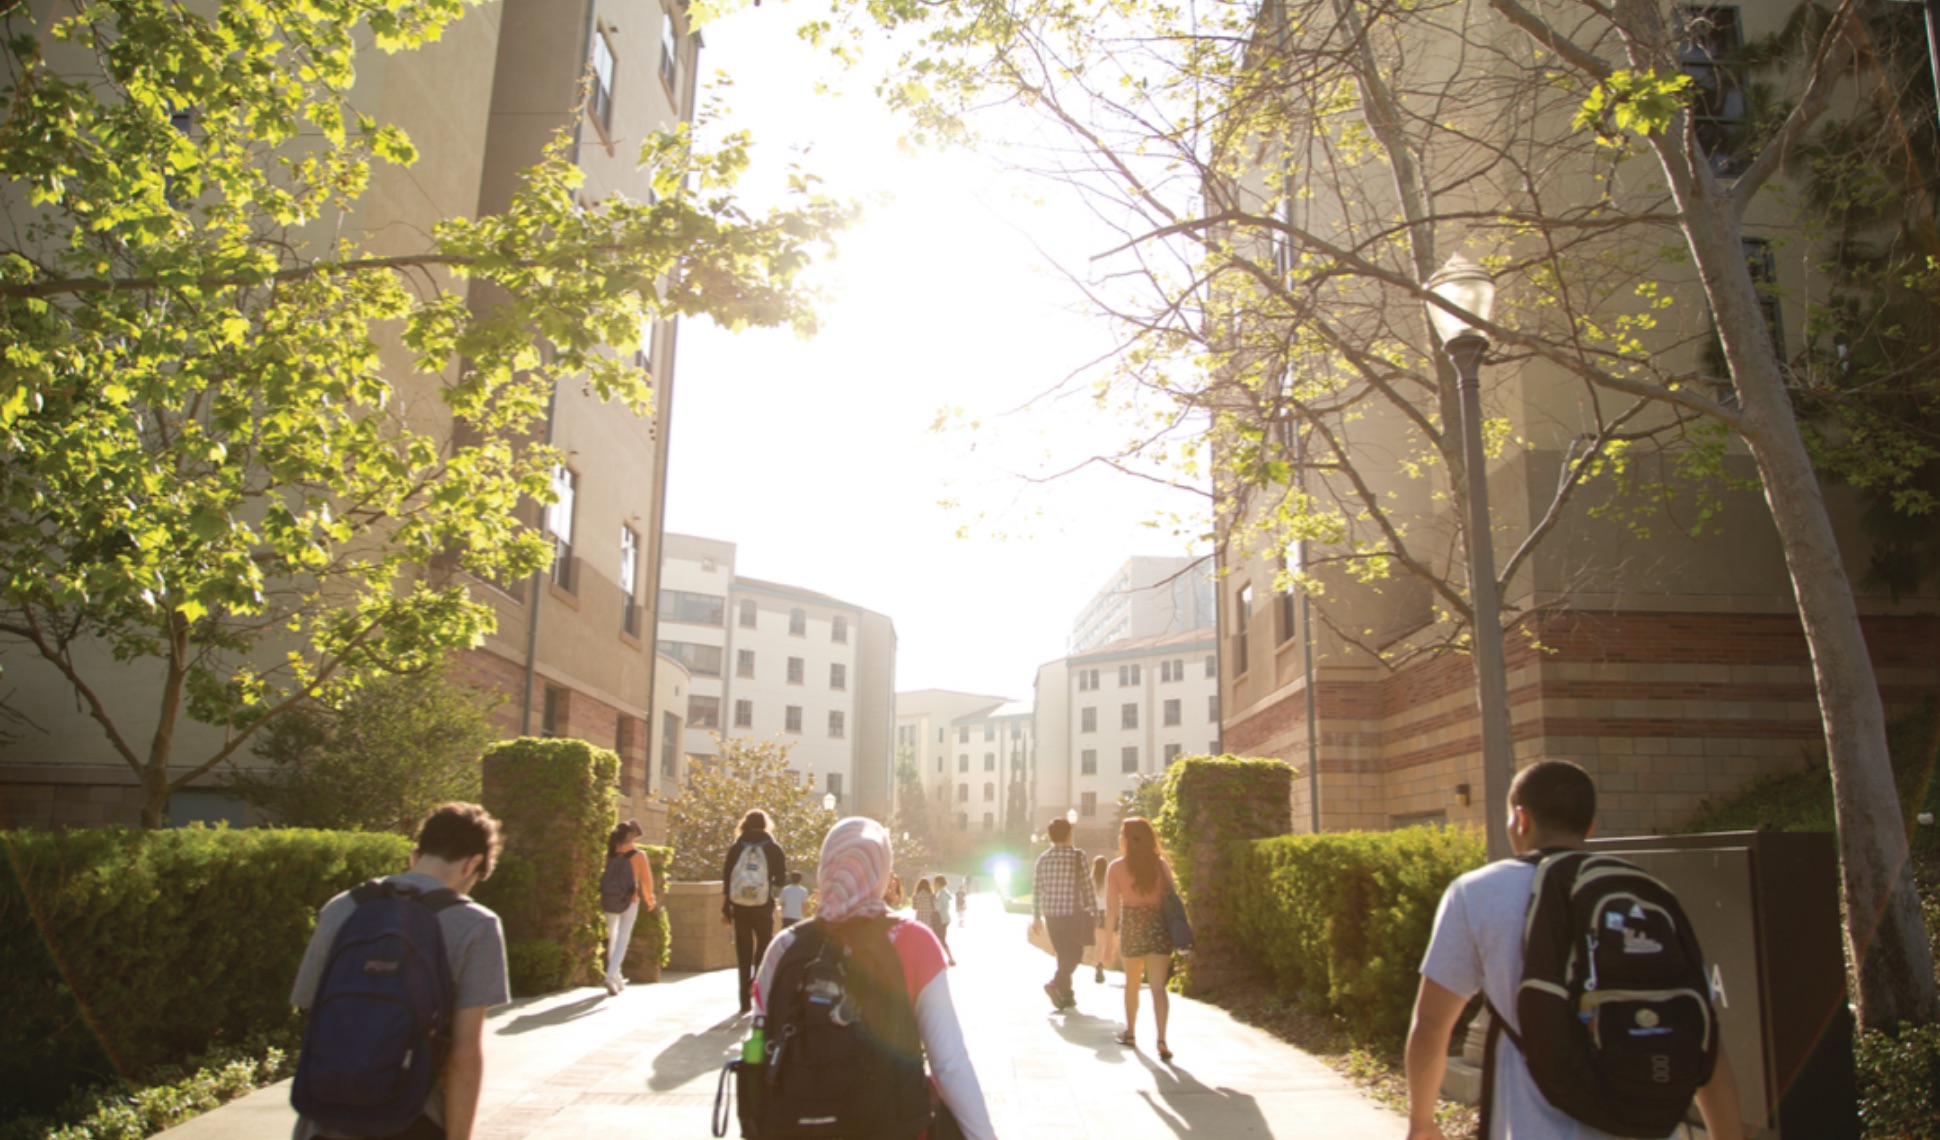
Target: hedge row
[(556, 800), (123, 950), (539, 965), (1341, 920)]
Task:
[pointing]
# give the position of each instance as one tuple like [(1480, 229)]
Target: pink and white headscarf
[(854, 870)]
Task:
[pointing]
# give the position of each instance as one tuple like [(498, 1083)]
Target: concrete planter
[(701, 940)]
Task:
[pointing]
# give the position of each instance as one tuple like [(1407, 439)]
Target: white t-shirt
[(792, 897), (1477, 945)]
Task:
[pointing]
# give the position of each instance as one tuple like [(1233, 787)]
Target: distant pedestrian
[(626, 888), (1062, 906), (794, 897), (1102, 945), (922, 902), (963, 901), (1135, 883), (893, 893), (1477, 945), (751, 878), (943, 901), (922, 1024), (336, 1091)]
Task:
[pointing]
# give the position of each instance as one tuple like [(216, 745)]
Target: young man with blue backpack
[(396, 981), (1601, 1016)]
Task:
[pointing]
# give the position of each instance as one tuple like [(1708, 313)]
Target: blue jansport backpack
[(380, 1023)]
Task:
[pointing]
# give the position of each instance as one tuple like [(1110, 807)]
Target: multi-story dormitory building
[(1666, 659), (573, 652), (783, 663)]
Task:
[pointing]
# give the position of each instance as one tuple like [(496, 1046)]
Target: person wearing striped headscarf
[(852, 876)]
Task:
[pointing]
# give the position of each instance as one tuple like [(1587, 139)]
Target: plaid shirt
[(1061, 884)]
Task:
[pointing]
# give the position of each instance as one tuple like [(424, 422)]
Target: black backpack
[(1614, 1002), (618, 884), (844, 1059), (380, 1023)]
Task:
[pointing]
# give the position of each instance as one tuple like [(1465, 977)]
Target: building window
[(963, 762), (963, 793), (939, 763), (1212, 708), (703, 712), (1172, 753), (600, 104), (990, 761), (629, 579), (798, 622), (552, 715), (1172, 712), (1283, 606), (990, 732), (669, 743), (1212, 664), (1087, 680), (792, 719), (963, 734), (1243, 617), (989, 822), (1128, 758), (838, 728), (989, 792), (559, 524), (1088, 805), (744, 662), (693, 609), (1127, 676), (670, 55), (940, 737), (1710, 38), (700, 660), (839, 629), (1088, 762), (835, 784), (838, 676), (797, 668), (1088, 719), (744, 714), (748, 612), (1128, 716), (1174, 670)]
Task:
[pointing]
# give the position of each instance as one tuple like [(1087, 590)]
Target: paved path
[(581, 1064)]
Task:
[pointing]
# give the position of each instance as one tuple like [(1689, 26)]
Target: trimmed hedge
[(556, 799), (1900, 1084), (1341, 920), (123, 950)]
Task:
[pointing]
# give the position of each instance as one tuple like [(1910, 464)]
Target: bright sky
[(816, 457)]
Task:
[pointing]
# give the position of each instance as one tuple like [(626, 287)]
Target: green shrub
[(1899, 1084), (1341, 920), (125, 1112), (535, 966), (122, 950)]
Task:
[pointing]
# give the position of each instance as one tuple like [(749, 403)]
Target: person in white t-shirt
[(794, 897), (1477, 946)]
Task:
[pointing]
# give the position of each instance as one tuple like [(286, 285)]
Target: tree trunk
[(1885, 933)]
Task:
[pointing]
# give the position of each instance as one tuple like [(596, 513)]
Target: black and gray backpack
[(844, 1059), (1614, 1003)]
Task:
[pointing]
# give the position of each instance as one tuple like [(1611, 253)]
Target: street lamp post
[(1471, 291), (828, 801)]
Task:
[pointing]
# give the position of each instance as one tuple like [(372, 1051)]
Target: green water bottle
[(754, 1051)]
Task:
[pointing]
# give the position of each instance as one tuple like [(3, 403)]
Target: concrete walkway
[(581, 1064)]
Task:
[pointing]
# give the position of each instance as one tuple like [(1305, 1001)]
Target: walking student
[(1135, 883), (794, 898), (943, 901), (922, 903), (626, 888), (1061, 904), (752, 875), (1478, 945), (356, 1079), (853, 875)]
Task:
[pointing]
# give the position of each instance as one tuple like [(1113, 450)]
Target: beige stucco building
[(572, 653)]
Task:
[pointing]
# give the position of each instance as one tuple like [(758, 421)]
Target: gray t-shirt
[(474, 944), (1477, 945)]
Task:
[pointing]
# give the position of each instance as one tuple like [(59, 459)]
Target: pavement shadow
[(1190, 1107), (557, 1015), (694, 1055), (1094, 1033)]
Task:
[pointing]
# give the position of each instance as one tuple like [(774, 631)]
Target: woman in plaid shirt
[(1061, 900)]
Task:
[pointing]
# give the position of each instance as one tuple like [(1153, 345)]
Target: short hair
[(1558, 795), (1059, 830), (794, 878), (755, 820), (457, 831)]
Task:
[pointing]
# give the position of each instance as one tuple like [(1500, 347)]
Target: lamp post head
[(1071, 815), (828, 801), (1467, 286)]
